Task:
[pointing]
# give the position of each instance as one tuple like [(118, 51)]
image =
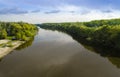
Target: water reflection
[(103, 51), (55, 54), (112, 54), (23, 46), (26, 44), (115, 61)]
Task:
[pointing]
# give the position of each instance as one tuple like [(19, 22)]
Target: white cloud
[(79, 14)]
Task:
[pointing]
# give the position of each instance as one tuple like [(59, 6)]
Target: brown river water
[(56, 54)]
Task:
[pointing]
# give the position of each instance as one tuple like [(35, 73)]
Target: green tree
[(3, 34)]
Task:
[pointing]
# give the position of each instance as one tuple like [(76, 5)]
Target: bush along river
[(14, 34), (57, 54)]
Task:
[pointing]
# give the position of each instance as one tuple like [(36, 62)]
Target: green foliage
[(97, 23), (24, 38), (18, 36), (17, 30), (3, 34), (8, 44), (26, 44), (105, 33)]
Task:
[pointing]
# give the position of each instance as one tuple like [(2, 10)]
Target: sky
[(44, 11)]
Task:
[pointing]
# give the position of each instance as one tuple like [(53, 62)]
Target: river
[(56, 54)]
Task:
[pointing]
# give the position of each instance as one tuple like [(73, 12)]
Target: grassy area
[(8, 44)]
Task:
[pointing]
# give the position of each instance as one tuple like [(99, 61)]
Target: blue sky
[(41, 11)]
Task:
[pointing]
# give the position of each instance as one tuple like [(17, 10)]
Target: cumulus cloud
[(63, 14), (36, 11)]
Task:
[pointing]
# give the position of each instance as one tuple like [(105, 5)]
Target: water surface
[(55, 54)]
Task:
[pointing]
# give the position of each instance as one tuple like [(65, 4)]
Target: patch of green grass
[(3, 45), (9, 37), (8, 44)]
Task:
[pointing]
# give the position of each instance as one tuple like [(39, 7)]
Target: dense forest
[(105, 33), (17, 30)]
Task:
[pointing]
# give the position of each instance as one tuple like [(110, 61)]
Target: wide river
[(56, 54)]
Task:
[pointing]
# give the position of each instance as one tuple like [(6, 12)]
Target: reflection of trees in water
[(113, 55), (102, 50), (1, 59), (26, 44), (115, 61)]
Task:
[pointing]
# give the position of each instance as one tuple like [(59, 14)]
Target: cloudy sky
[(41, 11)]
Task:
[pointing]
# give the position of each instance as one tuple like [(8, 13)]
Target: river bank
[(101, 33), (56, 54), (6, 46)]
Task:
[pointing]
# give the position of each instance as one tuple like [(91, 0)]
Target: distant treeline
[(17, 30), (104, 33)]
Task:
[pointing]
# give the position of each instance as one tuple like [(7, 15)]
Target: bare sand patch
[(5, 48)]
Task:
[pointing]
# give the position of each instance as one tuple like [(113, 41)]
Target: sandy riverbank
[(6, 46)]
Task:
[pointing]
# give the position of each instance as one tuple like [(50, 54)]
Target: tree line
[(105, 33), (17, 30)]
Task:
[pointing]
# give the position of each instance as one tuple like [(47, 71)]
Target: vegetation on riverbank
[(14, 34), (6, 46), (17, 30), (104, 33)]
